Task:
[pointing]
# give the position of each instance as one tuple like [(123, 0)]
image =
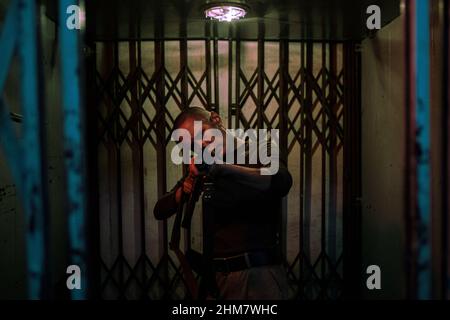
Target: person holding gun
[(242, 257)]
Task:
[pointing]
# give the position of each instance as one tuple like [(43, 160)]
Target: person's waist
[(247, 259), (234, 239)]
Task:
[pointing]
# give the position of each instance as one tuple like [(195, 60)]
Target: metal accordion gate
[(308, 90)]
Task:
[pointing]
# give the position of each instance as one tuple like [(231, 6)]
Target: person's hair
[(195, 113)]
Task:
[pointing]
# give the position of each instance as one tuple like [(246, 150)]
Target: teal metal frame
[(423, 161), (20, 36), (74, 143), (418, 158), (25, 155)]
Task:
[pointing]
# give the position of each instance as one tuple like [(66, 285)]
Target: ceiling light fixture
[(226, 10)]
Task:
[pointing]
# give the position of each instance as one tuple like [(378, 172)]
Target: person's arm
[(167, 205), (273, 178)]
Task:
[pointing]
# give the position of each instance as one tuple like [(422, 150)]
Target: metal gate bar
[(352, 171)]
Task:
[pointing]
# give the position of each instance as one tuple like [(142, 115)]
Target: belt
[(246, 260)]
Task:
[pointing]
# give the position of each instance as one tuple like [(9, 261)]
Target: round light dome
[(225, 11)]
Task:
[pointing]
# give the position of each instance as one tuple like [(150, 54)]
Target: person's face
[(200, 140)]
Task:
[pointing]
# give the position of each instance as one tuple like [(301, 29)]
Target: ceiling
[(335, 20)]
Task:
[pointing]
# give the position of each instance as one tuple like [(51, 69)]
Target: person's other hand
[(188, 183), (193, 171)]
